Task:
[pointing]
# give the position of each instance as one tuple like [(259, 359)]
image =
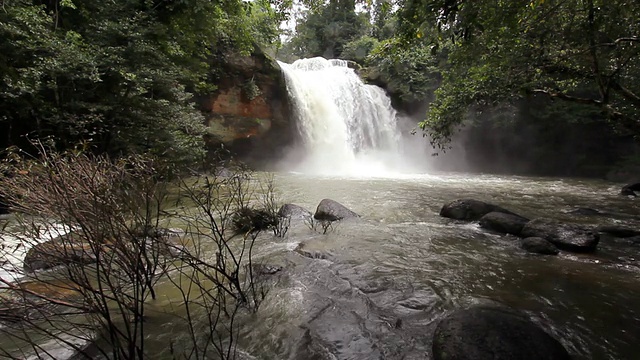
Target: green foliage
[(251, 89), (584, 52), (384, 20), (119, 75), (325, 30), (358, 49), (265, 21), (412, 73)]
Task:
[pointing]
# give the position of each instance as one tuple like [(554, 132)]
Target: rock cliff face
[(249, 112)]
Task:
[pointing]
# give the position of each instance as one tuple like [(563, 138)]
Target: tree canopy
[(119, 75), (123, 76), (580, 51)]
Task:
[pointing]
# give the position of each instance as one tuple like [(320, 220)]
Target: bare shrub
[(320, 226), (271, 205), (93, 285)]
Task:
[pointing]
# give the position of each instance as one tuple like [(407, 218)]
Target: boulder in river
[(630, 189), (503, 222), (539, 245), (570, 237), (470, 209), (332, 210), (293, 211), (493, 332)]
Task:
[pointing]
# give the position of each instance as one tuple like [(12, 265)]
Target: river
[(381, 283), (374, 288)]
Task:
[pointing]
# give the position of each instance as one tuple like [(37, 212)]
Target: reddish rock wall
[(249, 112)]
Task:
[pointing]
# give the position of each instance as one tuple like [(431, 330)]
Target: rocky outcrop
[(332, 210), (503, 222), (570, 237), (249, 111), (539, 245), (293, 211), (470, 209), (493, 332)]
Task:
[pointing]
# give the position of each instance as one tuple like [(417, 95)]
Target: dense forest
[(548, 76), (120, 77)]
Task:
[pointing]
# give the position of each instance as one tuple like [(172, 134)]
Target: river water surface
[(376, 287)]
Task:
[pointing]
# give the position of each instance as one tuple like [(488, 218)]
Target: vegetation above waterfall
[(578, 52)]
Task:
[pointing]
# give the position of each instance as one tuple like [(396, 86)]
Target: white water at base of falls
[(347, 128)]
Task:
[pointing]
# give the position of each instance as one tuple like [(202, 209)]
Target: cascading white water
[(347, 127)]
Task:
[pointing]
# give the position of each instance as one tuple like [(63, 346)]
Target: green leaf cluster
[(411, 73), (582, 52), (325, 30)]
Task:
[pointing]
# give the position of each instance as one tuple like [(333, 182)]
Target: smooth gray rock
[(503, 222), (293, 211), (470, 209), (485, 332), (570, 237), (332, 210), (539, 246)]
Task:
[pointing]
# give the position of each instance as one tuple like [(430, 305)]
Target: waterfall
[(346, 127)]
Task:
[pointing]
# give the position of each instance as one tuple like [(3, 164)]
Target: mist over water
[(346, 127)]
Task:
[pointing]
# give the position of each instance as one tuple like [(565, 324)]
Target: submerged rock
[(332, 210), (587, 212), (73, 248), (66, 249), (293, 211), (470, 209), (306, 251), (485, 332), (503, 222), (618, 231), (166, 241), (539, 245), (570, 237)]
